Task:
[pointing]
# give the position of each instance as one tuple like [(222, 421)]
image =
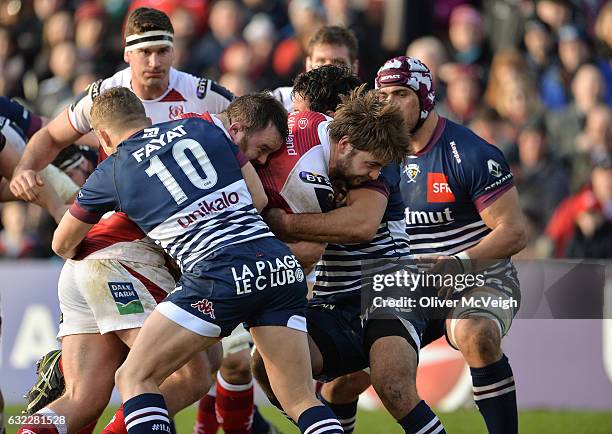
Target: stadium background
[(532, 77)]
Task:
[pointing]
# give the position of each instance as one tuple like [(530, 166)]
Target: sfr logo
[(438, 189)]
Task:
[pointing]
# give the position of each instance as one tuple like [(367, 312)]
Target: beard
[(341, 177)]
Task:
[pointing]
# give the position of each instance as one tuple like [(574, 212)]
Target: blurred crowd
[(533, 77)]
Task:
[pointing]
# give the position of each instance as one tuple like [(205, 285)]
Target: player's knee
[(236, 368), (215, 357), (195, 377), (479, 338), (89, 405)]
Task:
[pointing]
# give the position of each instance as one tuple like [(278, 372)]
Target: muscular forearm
[(502, 242), (338, 226), (39, 152)]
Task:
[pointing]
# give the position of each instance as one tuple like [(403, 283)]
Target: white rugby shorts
[(105, 295)]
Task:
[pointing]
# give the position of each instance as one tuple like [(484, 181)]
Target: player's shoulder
[(462, 145), (199, 87), (305, 119), (283, 94)]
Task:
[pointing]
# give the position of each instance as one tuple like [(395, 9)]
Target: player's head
[(73, 163), (149, 37), (114, 113), (258, 125), (366, 135), (320, 89), (332, 45), (407, 82)]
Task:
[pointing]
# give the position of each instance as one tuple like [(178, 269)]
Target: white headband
[(149, 39)]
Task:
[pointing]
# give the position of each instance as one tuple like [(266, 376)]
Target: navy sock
[(146, 413), (346, 414), (421, 420), (172, 427), (260, 425), (495, 396), (319, 419)]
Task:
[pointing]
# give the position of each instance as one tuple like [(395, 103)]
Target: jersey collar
[(437, 133)]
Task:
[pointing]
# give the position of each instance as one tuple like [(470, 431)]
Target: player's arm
[(307, 253), (42, 148), (260, 200), (357, 222), (96, 197), (68, 235), (507, 237)]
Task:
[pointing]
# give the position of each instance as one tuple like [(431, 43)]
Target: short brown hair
[(118, 109), (256, 110), (147, 19), (335, 35), (371, 125)]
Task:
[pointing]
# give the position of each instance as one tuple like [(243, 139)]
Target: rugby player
[(234, 270), (331, 45), (116, 243), (462, 216), (299, 180), (321, 88)]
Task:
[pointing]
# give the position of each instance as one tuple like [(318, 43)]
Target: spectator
[(593, 232), (587, 90), (56, 92), (344, 13), (306, 19), (504, 66), (225, 24), (431, 51), (463, 90), (505, 21), (538, 47), (573, 51), (603, 33), (595, 139), (555, 13), (90, 29), (261, 37), (540, 177), (15, 241), (487, 124), (12, 66), (518, 103), (466, 33), (57, 28)]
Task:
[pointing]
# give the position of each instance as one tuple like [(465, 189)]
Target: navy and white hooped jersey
[(341, 270), (296, 178), (446, 185), (181, 183)]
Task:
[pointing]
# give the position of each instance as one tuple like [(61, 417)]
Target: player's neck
[(421, 137), (124, 135)]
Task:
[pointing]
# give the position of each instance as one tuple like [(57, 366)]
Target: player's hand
[(275, 219), (443, 266), (26, 185)]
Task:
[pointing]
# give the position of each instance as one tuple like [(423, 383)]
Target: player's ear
[(126, 57), (344, 145), (355, 67)]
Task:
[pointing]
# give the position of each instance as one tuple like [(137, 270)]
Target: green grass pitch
[(379, 422)]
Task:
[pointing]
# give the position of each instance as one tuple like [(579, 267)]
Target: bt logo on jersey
[(438, 189)]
